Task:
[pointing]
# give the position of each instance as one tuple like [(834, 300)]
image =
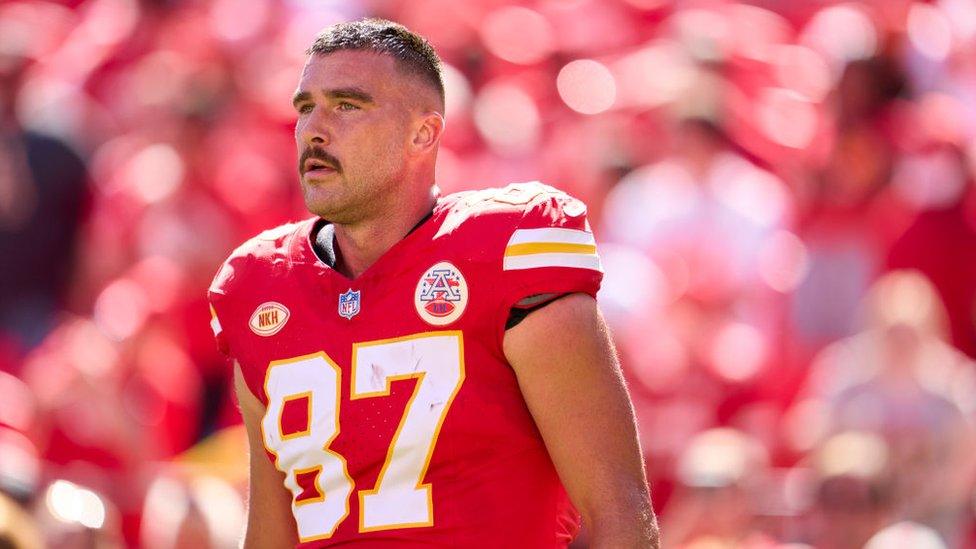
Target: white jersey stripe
[(551, 234), (533, 261), (215, 325)]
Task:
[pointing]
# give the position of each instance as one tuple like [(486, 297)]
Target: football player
[(416, 370)]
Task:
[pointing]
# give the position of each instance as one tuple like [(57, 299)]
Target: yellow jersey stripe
[(530, 248)]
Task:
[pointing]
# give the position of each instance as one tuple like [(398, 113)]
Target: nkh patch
[(441, 295), (349, 303), (269, 318)]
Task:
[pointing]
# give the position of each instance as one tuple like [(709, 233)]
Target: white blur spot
[(154, 173), (720, 457), (783, 261), (20, 466), (787, 117), (457, 91), (854, 453), (51, 105), (755, 194), (929, 31), (842, 33), (633, 284), (221, 506), (164, 509), (738, 352), (586, 86), (517, 35), (507, 118), (237, 19), (71, 503), (906, 535), (930, 181), (962, 17), (121, 309)]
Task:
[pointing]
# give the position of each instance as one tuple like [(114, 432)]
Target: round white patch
[(441, 295)]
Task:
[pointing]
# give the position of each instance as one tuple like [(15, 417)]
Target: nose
[(313, 130)]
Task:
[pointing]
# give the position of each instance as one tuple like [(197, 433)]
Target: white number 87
[(316, 476)]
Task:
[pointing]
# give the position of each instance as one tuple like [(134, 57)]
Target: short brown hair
[(413, 53)]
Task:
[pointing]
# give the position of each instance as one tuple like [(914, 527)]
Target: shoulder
[(505, 210), (267, 251)]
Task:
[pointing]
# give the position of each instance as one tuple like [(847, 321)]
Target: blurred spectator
[(720, 474), (852, 493), (941, 239), (900, 381), (848, 220), (43, 199)]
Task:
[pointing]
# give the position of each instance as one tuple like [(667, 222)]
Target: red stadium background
[(782, 192)]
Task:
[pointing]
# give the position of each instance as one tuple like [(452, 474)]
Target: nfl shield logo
[(349, 304)]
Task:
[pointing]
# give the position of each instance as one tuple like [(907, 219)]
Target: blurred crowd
[(782, 191)]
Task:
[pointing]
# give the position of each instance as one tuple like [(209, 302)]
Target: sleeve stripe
[(576, 260), (214, 323), (551, 234), (530, 248)]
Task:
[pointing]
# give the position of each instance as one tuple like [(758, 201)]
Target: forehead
[(350, 68)]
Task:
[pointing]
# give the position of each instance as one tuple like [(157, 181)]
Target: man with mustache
[(416, 370)]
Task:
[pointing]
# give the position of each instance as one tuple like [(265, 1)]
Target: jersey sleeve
[(549, 251), (219, 295)]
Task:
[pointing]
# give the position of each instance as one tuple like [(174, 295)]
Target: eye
[(347, 106), (305, 108)]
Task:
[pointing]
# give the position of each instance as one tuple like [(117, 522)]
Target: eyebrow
[(356, 94)]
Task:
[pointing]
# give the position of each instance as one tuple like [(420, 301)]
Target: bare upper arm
[(269, 519), (571, 381)]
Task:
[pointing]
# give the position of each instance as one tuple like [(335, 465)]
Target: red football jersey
[(391, 408)]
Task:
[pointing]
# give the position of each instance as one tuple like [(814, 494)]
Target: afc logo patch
[(349, 304), (441, 295)]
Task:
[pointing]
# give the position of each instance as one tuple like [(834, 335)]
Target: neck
[(360, 244)]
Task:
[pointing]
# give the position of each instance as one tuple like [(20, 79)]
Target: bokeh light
[(121, 309), (586, 86), (843, 32), (507, 118), (73, 504), (929, 31), (518, 35)]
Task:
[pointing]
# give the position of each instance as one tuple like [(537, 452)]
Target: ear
[(428, 132)]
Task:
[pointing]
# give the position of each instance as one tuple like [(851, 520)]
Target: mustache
[(318, 154)]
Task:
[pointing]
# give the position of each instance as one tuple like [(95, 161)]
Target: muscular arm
[(270, 523), (569, 375)]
